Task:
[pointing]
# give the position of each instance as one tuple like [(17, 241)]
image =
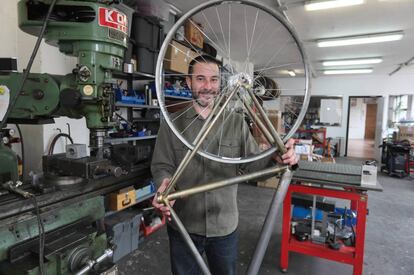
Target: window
[(400, 108)]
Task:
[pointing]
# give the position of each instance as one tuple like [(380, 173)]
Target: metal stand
[(349, 255)]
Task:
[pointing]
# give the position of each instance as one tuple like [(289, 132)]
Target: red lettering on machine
[(113, 19)]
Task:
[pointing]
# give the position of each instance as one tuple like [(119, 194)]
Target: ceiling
[(374, 16)]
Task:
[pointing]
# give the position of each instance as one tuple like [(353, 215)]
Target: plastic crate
[(144, 191), (146, 59), (147, 32), (131, 97), (300, 213)]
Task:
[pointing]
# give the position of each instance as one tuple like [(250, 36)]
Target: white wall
[(48, 60), (357, 119)]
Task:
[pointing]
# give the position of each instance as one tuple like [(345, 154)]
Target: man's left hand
[(290, 156)]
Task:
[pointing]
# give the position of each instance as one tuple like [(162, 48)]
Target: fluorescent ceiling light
[(323, 5), (291, 73), (350, 71), (360, 39), (347, 62)]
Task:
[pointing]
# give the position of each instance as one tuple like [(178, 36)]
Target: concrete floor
[(389, 242)]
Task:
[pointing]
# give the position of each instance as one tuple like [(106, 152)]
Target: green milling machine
[(53, 224)]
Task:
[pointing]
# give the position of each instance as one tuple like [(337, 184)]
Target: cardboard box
[(122, 199), (328, 160), (193, 33), (275, 117), (178, 57), (272, 182), (303, 149), (305, 157), (406, 133)]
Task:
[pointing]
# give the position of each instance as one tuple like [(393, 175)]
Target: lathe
[(53, 224)]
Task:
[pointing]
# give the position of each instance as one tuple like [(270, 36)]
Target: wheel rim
[(201, 10)]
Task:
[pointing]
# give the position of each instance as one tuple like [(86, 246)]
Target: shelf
[(135, 75), (178, 97), (197, 49), (136, 106), (140, 119), (345, 254), (111, 140)]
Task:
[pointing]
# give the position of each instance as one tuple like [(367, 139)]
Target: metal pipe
[(187, 157), (205, 131), (313, 216), (226, 182), (182, 165), (187, 239), (269, 224), (259, 122), (91, 263), (278, 140)]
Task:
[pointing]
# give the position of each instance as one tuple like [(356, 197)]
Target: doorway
[(362, 127)]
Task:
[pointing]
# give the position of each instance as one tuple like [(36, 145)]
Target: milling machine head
[(95, 32)]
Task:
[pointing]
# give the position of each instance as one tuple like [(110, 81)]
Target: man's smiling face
[(204, 83)]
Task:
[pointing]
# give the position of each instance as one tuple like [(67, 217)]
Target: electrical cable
[(353, 235), (29, 65), (52, 145), (21, 146), (124, 119), (10, 108), (14, 188), (42, 237)]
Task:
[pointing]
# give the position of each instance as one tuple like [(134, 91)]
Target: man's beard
[(202, 102)]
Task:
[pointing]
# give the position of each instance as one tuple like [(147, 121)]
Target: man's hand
[(290, 156), (160, 206)]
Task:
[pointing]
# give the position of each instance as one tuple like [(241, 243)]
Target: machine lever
[(91, 263), (15, 189)]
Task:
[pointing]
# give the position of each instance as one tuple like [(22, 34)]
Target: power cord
[(26, 72), (42, 237), (52, 145), (14, 188), (21, 146)]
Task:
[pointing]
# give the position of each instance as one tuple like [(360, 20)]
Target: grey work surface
[(389, 240), (334, 174)]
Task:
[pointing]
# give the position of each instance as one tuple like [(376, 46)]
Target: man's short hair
[(202, 59)]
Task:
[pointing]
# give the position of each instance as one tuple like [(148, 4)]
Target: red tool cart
[(320, 181), (353, 255)]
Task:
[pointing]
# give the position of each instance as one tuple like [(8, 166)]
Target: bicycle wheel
[(257, 48)]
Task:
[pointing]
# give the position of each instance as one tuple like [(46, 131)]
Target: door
[(379, 130), (370, 121)]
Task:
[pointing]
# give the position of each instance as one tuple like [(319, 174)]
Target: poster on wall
[(331, 110)]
